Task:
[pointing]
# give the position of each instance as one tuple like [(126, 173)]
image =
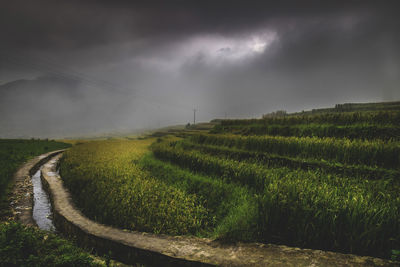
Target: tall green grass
[(109, 187), (303, 208), (249, 173), (233, 209), (276, 161), (312, 212)]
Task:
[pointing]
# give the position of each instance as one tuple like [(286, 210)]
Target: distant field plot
[(331, 192), (384, 125)]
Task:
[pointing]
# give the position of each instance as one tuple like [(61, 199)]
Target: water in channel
[(41, 205)]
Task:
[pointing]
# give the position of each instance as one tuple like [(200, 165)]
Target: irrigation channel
[(41, 205)]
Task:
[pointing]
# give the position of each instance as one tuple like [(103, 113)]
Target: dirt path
[(162, 250)]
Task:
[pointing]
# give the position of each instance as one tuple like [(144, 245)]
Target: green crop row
[(232, 208), (338, 118), (354, 152), (310, 211), (357, 131), (303, 208), (251, 174), (275, 161), (242, 173), (109, 187)]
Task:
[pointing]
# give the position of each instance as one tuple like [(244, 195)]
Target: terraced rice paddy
[(382, 125), (338, 193), (110, 187)]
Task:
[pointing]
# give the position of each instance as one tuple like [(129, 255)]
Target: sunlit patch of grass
[(109, 187)]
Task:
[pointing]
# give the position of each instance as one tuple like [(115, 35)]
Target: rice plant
[(109, 187)]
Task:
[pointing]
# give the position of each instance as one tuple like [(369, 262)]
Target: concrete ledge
[(161, 250), (22, 193)]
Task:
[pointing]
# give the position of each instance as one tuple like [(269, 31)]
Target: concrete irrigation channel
[(132, 247), (22, 195)]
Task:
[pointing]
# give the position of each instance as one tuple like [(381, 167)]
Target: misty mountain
[(52, 106), (42, 84)]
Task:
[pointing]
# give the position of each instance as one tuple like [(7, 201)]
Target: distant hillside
[(349, 107), (54, 106), (361, 120)]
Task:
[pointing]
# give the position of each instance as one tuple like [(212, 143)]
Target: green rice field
[(323, 180)]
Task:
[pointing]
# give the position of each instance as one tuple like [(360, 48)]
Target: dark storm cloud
[(146, 62), (78, 24)]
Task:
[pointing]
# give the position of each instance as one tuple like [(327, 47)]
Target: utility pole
[(194, 116)]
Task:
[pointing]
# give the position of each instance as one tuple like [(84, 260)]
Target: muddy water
[(41, 205)]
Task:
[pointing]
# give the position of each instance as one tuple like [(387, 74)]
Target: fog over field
[(71, 68)]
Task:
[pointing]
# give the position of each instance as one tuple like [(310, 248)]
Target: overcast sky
[(71, 67)]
